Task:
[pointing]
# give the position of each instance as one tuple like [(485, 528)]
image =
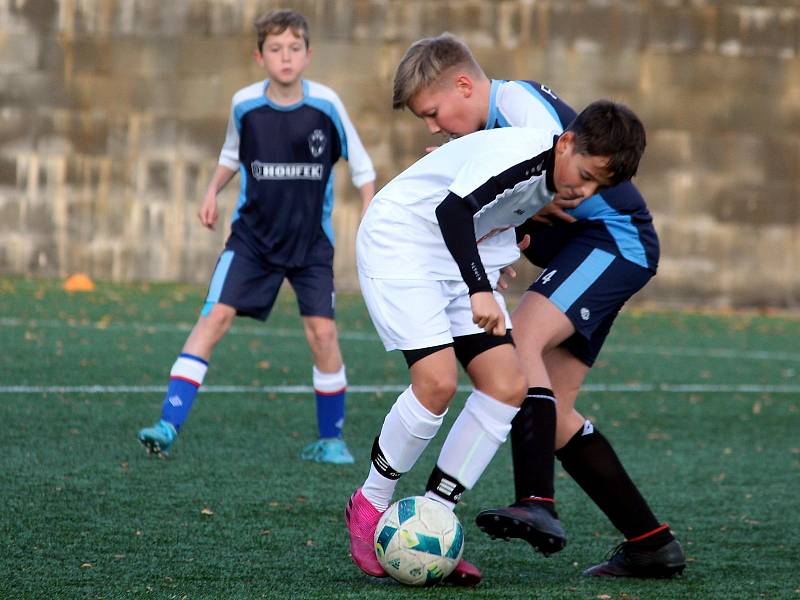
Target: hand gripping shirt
[(499, 178), (616, 219), (285, 157)]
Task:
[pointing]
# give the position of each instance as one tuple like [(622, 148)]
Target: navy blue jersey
[(616, 219), (285, 157)]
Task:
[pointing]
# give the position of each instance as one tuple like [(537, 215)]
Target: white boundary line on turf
[(622, 388), (363, 336)]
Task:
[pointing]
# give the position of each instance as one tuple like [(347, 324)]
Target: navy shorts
[(589, 286), (250, 285)]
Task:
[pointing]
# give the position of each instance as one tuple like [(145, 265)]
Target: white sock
[(328, 382), (406, 432), (473, 440)]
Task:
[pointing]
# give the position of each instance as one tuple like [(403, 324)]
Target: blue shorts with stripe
[(244, 280), (590, 286)]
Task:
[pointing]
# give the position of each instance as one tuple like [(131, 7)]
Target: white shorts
[(414, 314)]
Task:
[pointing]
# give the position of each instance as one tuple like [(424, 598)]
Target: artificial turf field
[(703, 410)]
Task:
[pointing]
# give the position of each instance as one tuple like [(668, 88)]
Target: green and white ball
[(419, 541)]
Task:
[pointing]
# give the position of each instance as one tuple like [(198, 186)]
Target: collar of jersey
[(550, 166), (285, 107), (492, 116)]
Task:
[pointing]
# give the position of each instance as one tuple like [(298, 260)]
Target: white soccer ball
[(419, 541)]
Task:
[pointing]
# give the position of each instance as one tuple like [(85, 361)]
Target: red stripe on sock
[(639, 538), (536, 499), (336, 393), (187, 380)]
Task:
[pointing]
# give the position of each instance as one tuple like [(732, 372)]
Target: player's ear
[(464, 85), (565, 142), (258, 57)]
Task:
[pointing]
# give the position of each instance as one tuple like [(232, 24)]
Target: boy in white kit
[(430, 249)]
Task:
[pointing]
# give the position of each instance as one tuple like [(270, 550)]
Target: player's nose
[(433, 126)]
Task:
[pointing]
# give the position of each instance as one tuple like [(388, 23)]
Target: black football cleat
[(631, 559), (529, 521)]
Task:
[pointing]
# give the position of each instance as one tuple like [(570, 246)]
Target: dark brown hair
[(606, 128), (278, 21)]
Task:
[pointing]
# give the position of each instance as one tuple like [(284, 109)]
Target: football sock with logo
[(533, 439), (473, 440), (185, 379), (406, 432), (330, 389), (591, 461)]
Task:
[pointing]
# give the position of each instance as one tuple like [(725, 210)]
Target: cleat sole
[(505, 528)]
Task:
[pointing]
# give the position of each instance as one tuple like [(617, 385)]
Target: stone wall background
[(112, 113)]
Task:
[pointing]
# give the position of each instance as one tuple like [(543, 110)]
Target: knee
[(511, 390), (321, 333), (219, 320), (436, 391)]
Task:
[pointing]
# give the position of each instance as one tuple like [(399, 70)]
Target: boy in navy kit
[(594, 258), (284, 135), (430, 249)]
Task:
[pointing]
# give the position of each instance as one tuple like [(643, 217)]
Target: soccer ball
[(419, 541)]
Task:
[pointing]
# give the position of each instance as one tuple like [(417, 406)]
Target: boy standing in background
[(284, 135)]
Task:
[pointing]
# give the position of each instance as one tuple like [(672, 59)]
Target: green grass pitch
[(703, 410)]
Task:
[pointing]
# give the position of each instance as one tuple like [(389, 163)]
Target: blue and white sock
[(330, 389), (185, 379)]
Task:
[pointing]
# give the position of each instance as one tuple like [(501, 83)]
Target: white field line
[(363, 336), (622, 388)]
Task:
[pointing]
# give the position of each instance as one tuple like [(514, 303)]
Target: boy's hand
[(509, 272), (556, 209), (486, 313), (208, 214)]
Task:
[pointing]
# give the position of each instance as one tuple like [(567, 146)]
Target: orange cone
[(78, 282)]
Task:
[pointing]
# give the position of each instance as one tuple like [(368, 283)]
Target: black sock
[(654, 539), (593, 464), (533, 439)]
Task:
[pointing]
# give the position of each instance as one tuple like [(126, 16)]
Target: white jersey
[(501, 173)]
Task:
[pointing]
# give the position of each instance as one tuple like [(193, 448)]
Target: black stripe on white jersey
[(455, 215)]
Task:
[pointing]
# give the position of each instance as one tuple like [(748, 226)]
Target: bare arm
[(208, 214), (367, 191)]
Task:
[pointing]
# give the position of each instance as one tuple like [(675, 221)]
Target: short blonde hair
[(278, 21), (424, 63)]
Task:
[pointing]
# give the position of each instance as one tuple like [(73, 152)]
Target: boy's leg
[(186, 377), (241, 284), (330, 387), (316, 297), (412, 422), (482, 426), (538, 326), (650, 550), (409, 315)]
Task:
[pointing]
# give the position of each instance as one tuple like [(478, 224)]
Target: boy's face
[(448, 108), (578, 175), (284, 56)]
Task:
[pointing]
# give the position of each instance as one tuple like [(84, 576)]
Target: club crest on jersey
[(316, 142)]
